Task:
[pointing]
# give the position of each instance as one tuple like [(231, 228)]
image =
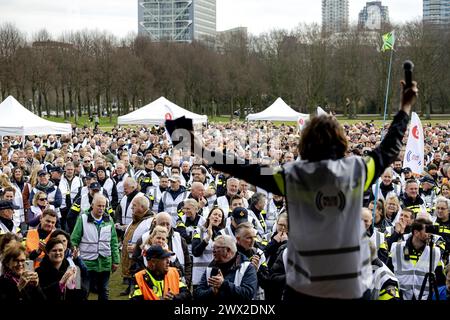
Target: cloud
[(120, 16)]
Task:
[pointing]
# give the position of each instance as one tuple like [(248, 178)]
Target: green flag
[(388, 41)]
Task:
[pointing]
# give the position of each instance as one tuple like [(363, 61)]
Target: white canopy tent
[(157, 112), (16, 120), (278, 111)]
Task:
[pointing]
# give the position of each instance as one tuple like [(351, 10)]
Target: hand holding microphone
[(409, 88)]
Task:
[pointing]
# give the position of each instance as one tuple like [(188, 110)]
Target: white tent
[(278, 111), (158, 112), (16, 120)]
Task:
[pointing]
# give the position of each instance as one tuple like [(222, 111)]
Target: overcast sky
[(120, 16)]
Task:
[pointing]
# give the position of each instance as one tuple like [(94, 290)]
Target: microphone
[(408, 66)]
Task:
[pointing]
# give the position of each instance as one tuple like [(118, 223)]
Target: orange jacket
[(171, 283), (32, 244)]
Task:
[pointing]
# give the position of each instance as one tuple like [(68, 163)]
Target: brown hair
[(12, 251), (323, 138)]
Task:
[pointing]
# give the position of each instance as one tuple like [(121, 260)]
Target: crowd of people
[(76, 208)]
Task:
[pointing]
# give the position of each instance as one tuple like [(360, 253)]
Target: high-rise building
[(334, 16), (436, 12), (373, 16), (177, 20)]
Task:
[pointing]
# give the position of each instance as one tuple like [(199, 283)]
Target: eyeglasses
[(219, 248), (441, 208), (19, 260)]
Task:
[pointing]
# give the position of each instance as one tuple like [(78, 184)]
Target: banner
[(302, 121), (414, 153), (321, 112)]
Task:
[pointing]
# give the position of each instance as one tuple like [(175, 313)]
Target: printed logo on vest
[(330, 201)]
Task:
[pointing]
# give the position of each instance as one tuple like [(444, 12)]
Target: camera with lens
[(434, 229)]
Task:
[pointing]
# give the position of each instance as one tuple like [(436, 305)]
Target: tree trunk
[(98, 105), (63, 91), (47, 107), (40, 104), (57, 102), (80, 112)]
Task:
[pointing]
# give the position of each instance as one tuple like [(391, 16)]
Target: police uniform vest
[(377, 238), (70, 190), (416, 207), (127, 211), (142, 228), (222, 203), (4, 229), (239, 273), (410, 275), (227, 230), (18, 201), (395, 192), (108, 187), (151, 289), (170, 204), (326, 195), (157, 193), (94, 242), (429, 199), (382, 274), (119, 186), (200, 263)]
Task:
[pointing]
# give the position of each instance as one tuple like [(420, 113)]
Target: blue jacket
[(49, 188), (228, 291)]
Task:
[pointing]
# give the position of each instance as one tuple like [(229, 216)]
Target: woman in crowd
[(202, 243), (40, 203), (57, 276), (7, 239), (380, 217), (278, 239), (16, 284), (391, 209), (445, 190)]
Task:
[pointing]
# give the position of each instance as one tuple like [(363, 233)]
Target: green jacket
[(101, 264)]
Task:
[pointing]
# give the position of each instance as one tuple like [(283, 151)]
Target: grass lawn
[(115, 287), (106, 125)]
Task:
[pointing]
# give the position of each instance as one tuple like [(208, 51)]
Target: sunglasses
[(42, 199)]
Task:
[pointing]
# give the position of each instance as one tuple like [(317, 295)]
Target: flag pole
[(377, 188)]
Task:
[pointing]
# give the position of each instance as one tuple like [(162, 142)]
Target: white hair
[(227, 241)]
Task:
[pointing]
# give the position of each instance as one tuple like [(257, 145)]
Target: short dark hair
[(419, 224), (49, 212), (51, 243)]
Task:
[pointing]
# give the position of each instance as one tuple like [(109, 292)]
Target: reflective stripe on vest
[(92, 245), (170, 204), (171, 283), (199, 264), (411, 276), (127, 212), (177, 248), (32, 244), (326, 195), (239, 273)]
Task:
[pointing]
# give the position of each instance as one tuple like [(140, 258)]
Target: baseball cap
[(157, 252), (91, 175), (95, 186), (240, 215), (407, 170), (428, 179), (175, 177), (42, 173), (6, 204), (56, 169)]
